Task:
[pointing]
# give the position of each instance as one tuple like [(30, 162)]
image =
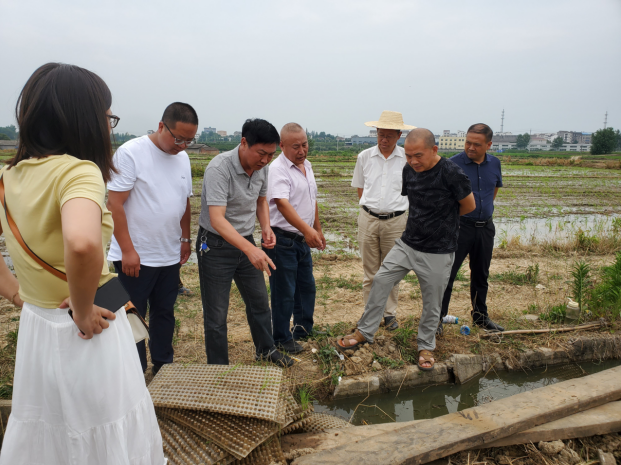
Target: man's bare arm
[(360, 191), (496, 192), (186, 249), (131, 259), (467, 204)]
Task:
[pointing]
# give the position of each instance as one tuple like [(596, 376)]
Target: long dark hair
[(62, 109)]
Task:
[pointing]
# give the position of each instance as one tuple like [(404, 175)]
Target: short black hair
[(178, 112), (259, 131), (484, 129), (62, 109)]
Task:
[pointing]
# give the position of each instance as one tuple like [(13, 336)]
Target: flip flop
[(342, 344), (427, 357)]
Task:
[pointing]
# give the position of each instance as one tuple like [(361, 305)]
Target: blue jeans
[(156, 286), (293, 289), (217, 268)]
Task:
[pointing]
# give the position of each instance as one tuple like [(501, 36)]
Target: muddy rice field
[(548, 218)]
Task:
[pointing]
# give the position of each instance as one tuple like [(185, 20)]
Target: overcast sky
[(331, 65)]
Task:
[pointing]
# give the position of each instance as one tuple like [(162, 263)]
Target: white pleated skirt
[(78, 402)]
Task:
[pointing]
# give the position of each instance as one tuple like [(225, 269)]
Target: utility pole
[(606, 120), (502, 121)]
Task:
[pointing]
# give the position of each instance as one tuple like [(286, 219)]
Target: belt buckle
[(383, 217), (480, 224)]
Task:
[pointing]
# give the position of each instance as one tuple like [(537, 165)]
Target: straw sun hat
[(389, 120)]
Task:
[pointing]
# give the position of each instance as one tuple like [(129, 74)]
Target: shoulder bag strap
[(9, 219)]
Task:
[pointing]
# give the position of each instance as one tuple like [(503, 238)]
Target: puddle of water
[(562, 228), (337, 243), (433, 401)]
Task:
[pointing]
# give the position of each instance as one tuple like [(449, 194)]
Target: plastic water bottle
[(450, 320), (572, 313), (465, 330)]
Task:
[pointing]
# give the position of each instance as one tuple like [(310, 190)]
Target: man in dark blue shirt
[(476, 229)]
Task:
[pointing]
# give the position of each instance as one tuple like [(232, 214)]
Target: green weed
[(531, 276), (555, 314), (388, 362), (581, 283), (606, 296)]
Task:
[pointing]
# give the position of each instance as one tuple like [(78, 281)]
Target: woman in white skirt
[(79, 395)]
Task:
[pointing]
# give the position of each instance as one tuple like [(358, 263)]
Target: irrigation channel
[(436, 400)]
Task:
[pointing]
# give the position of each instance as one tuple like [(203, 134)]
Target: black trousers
[(479, 244), (156, 287)]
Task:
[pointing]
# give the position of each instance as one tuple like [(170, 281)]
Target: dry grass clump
[(580, 450), (613, 164)]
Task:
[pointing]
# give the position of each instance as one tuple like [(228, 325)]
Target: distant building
[(202, 149), (209, 130), (237, 133), (500, 143), (373, 133), (8, 145), (221, 133), (574, 136), (446, 132), (452, 141)]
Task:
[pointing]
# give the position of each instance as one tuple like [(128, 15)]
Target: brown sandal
[(427, 357), (340, 343)]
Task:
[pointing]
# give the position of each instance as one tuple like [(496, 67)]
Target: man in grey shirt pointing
[(234, 190)]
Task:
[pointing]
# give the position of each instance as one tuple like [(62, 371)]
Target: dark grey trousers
[(217, 269)]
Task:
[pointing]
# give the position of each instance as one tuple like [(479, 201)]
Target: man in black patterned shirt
[(439, 193)]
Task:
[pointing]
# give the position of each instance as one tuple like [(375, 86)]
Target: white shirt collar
[(290, 163), (395, 153)]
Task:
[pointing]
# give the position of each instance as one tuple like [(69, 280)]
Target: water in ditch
[(435, 400)]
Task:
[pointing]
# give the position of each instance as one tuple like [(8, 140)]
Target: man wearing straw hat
[(382, 218)]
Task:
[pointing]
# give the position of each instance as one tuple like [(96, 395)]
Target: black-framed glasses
[(114, 120), (177, 140)]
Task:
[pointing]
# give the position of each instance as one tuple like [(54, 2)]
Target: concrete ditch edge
[(461, 368)]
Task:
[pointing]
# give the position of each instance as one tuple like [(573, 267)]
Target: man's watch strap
[(183, 239)]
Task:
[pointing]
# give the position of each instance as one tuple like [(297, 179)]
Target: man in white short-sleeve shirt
[(381, 219), (149, 199), (294, 216)]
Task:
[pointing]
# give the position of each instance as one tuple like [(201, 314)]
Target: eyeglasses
[(178, 141), (114, 120), (388, 137)]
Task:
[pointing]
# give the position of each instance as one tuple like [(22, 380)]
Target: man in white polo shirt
[(294, 216), (381, 220), (149, 199)]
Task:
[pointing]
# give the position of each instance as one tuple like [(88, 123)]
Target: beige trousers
[(375, 239)]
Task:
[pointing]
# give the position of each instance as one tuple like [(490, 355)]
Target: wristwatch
[(183, 239)]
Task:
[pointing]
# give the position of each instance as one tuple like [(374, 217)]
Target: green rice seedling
[(305, 396)]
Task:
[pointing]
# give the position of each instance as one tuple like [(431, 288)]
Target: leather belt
[(290, 235), (382, 216), (477, 223)]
